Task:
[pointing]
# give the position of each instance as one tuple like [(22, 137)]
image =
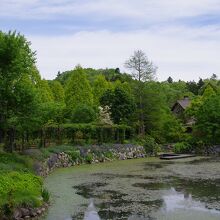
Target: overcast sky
[(181, 37)]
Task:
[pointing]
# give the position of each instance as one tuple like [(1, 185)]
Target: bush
[(182, 147), (45, 195), (150, 145), (19, 188), (109, 154), (83, 114), (75, 155), (13, 161), (89, 158)]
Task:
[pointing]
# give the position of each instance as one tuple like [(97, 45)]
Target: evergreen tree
[(99, 87), (78, 90), (170, 80), (57, 91)]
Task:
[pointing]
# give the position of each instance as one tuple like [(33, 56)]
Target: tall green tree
[(122, 105), (17, 74), (208, 120), (78, 90), (99, 87), (57, 91), (142, 70)]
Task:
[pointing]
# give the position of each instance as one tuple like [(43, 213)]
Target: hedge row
[(74, 133)]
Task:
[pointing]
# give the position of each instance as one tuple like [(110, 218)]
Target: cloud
[(180, 37), (140, 10), (178, 52)]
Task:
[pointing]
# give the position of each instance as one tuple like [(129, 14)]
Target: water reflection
[(91, 213), (174, 200)]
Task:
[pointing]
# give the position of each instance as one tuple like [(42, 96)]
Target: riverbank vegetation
[(86, 106)]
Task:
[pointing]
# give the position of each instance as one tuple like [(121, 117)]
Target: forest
[(93, 106)]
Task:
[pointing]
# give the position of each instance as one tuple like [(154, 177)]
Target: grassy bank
[(19, 186)]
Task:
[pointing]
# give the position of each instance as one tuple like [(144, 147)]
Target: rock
[(122, 156), (130, 155), (27, 217), (24, 212), (39, 211), (33, 213), (17, 214)]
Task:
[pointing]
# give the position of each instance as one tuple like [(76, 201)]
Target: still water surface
[(137, 189)]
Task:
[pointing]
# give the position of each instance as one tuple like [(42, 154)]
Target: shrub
[(19, 188), (45, 195), (109, 154), (89, 158), (12, 161), (83, 114), (182, 147), (150, 145), (75, 155)]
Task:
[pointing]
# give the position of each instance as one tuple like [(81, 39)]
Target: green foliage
[(18, 185), (13, 161), (18, 77), (45, 92), (172, 130), (109, 154), (83, 114), (99, 87), (182, 147), (45, 195), (89, 158), (57, 91), (21, 188), (121, 105), (150, 145), (208, 120), (78, 90), (74, 154)]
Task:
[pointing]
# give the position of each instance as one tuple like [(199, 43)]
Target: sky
[(181, 38)]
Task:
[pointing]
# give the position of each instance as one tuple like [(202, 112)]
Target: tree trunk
[(10, 146), (141, 109)]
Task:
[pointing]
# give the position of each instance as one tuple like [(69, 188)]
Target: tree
[(57, 91), (200, 84), (170, 80), (142, 69), (83, 114), (99, 87), (78, 90), (17, 80), (121, 105), (214, 76), (208, 120), (45, 92)]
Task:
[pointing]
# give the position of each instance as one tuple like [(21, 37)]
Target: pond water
[(137, 189)]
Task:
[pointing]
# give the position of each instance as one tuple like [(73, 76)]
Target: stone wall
[(98, 154)]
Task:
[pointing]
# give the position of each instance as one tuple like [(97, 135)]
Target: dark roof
[(184, 103)]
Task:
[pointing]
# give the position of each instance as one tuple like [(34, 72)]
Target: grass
[(18, 184)]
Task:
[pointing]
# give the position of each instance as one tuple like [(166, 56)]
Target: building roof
[(184, 103)]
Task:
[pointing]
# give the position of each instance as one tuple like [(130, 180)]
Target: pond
[(137, 189)]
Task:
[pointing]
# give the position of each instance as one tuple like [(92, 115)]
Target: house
[(178, 110), (180, 106)]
